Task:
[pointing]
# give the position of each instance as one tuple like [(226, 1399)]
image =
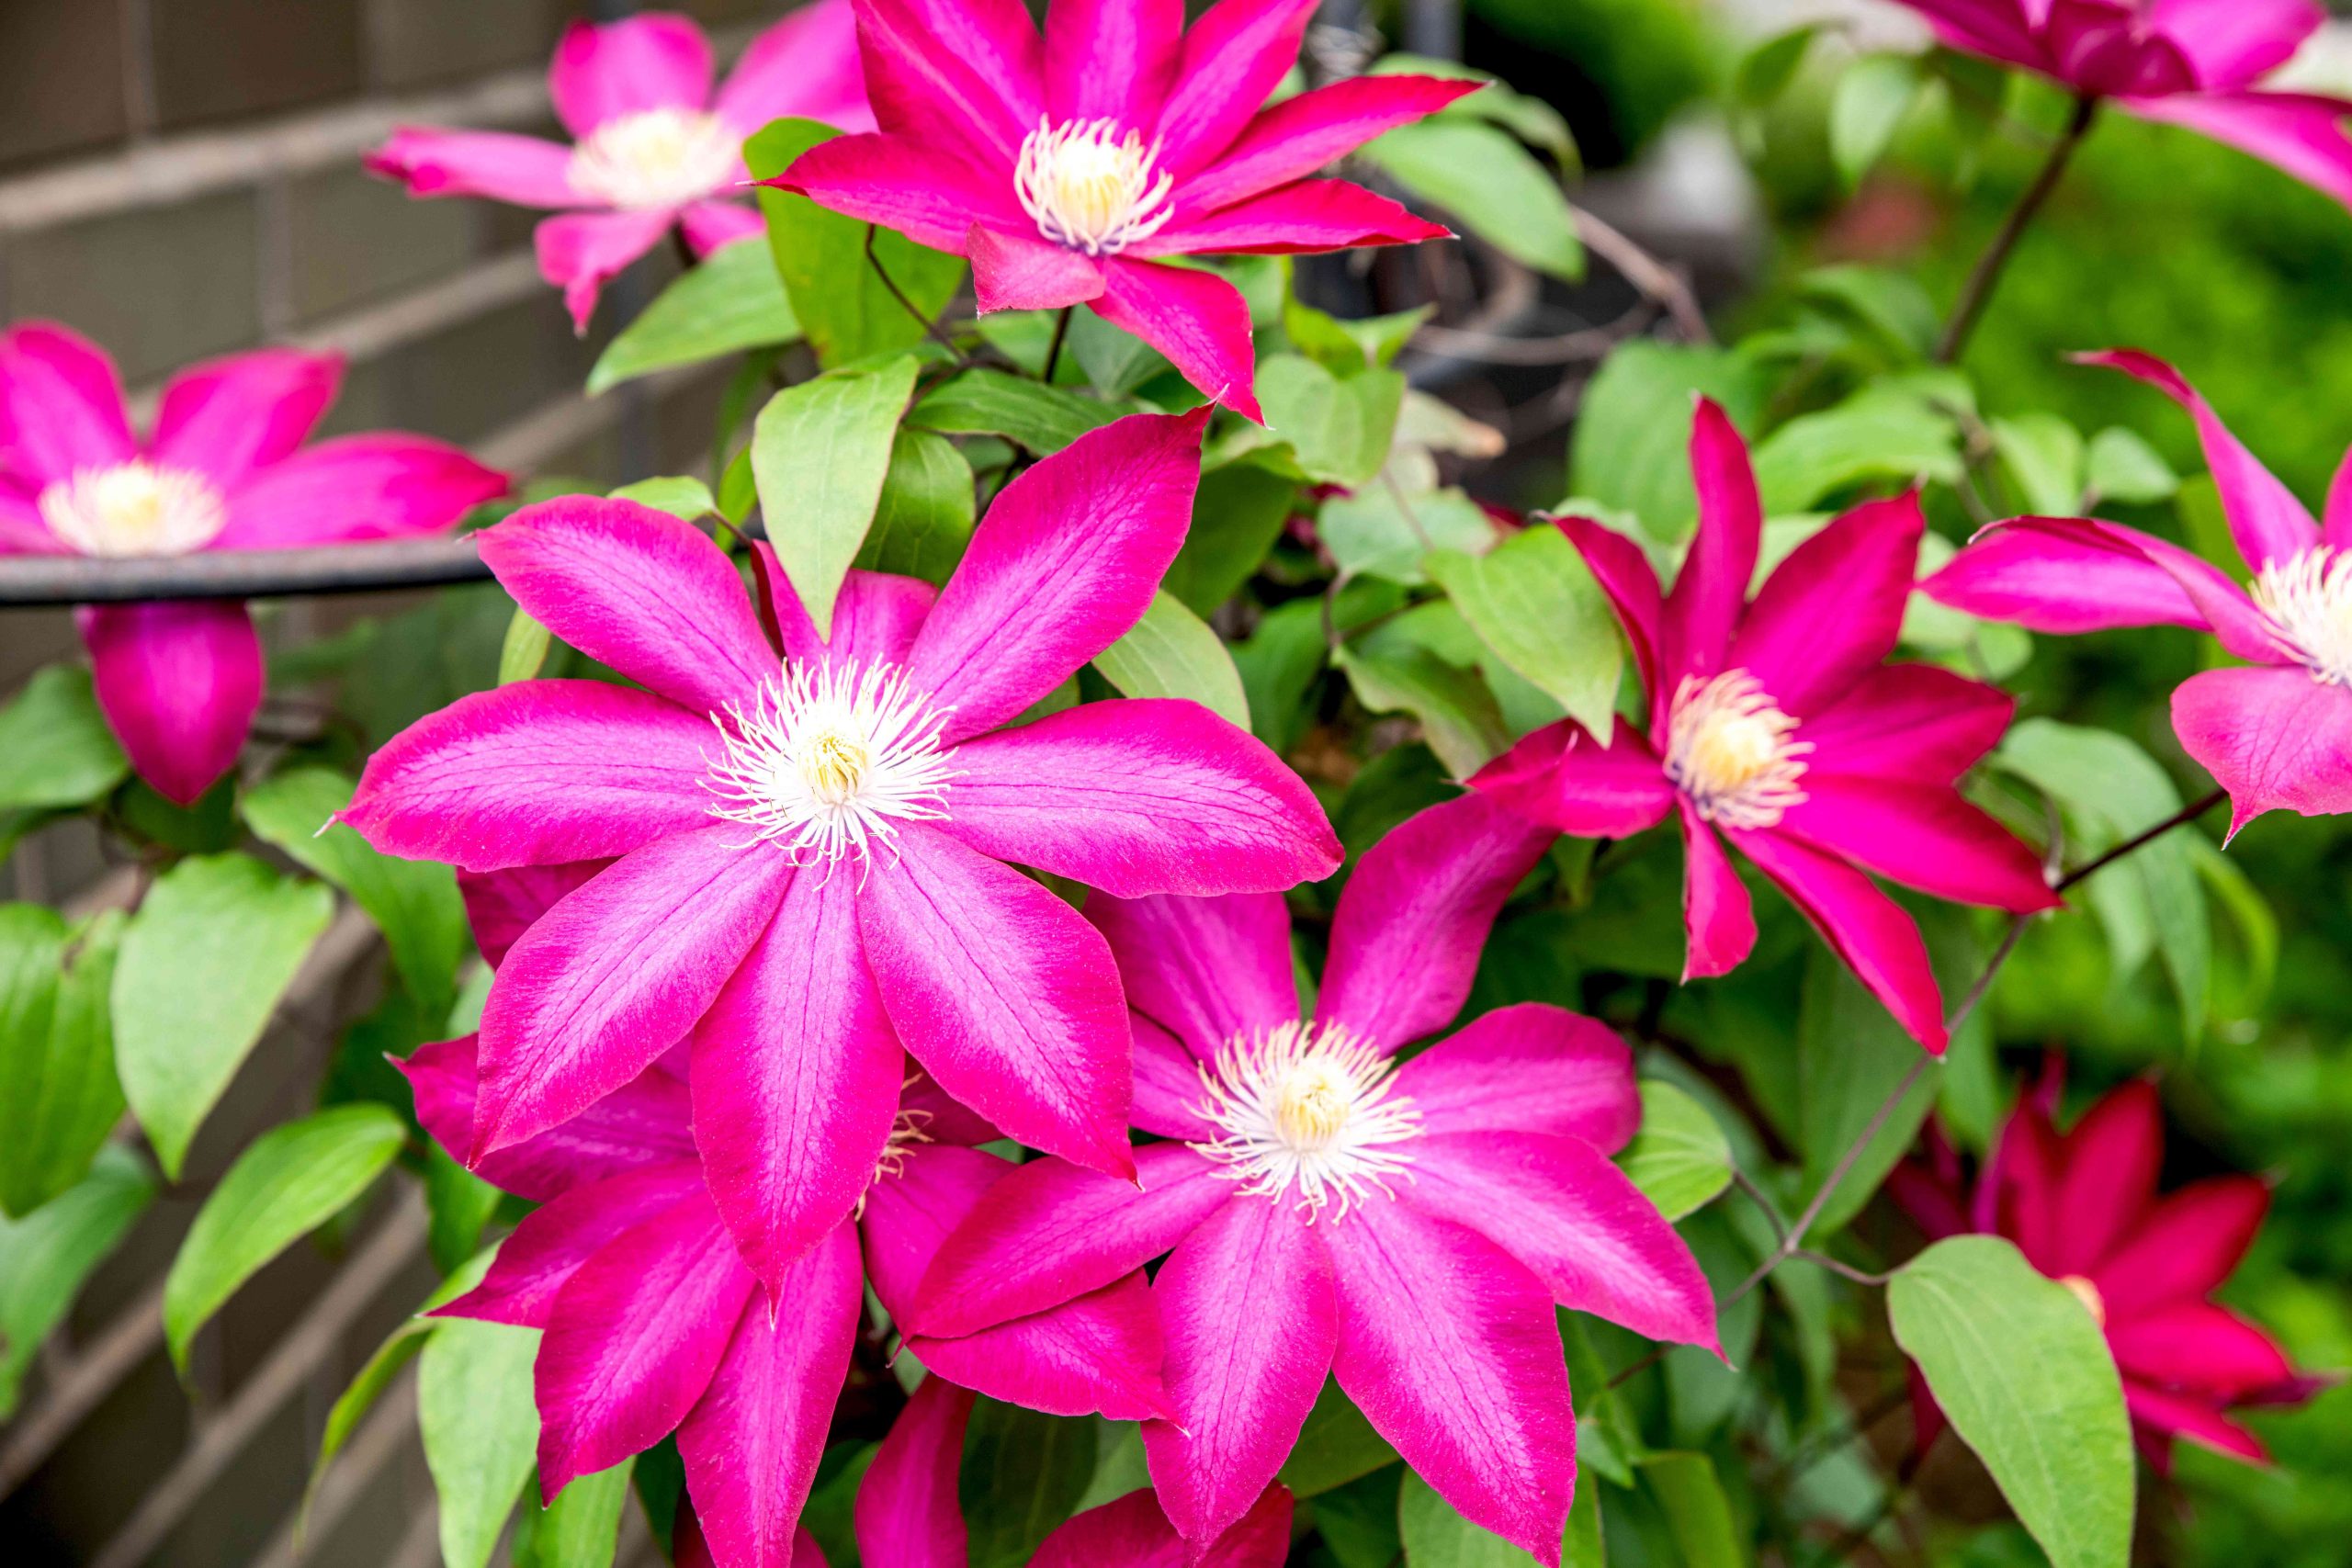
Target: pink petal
[(601, 73), (970, 69), (1134, 1533), (2107, 1175), (1577, 1222), (1703, 610), (1016, 271), (1168, 1091), (1051, 1232), (579, 251), (22, 529), (875, 616), (1868, 932), (1563, 778), (1252, 1326), (646, 1122), (1923, 836), (2301, 134), (179, 683), (60, 405), (2185, 1245), (751, 1444), (2070, 581), (1451, 1349), (228, 416), (907, 1512), (358, 488), (1718, 921), (1302, 216), (1828, 615), (1911, 721), (1197, 319), (635, 1334), (1530, 1068), (2233, 42), (805, 65), (689, 1550), (796, 1079), (2335, 520), (1233, 58), (528, 171), (910, 1210), (637, 590), (715, 225), (1406, 937), (2196, 1345), (1207, 970), (1065, 562), (2272, 738), (501, 904), (2265, 518), (2221, 604), (1111, 59), (535, 773), (2191, 1416), (2004, 29), (1623, 570), (1003, 994), (1099, 1355), (1306, 132), (616, 974), (950, 1120), (555, 1239), (1143, 795), (934, 194)]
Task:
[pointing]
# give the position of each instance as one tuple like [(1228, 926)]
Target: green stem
[(1977, 292)]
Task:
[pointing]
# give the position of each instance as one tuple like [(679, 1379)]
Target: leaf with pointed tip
[(820, 453)]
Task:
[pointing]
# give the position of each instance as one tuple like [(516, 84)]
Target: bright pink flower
[(2280, 735), (653, 146), (1407, 1228), (2082, 1208), (224, 468), (1775, 723), (1063, 165), (2188, 63), (808, 849), (653, 1324)]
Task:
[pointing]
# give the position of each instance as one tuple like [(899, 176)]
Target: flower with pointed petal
[(2083, 1207), (1409, 1229), (654, 147), (808, 839), (2278, 735), (1067, 167), (224, 468)]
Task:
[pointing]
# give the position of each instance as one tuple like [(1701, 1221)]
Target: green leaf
[(1876, 434), (292, 1179), (1533, 600), (1531, 119), (819, 452), (45, 1255), (1339, 431), (581, 1527), (2044, 455), (1632, 431), (524, 649), (481, 1428), (202, 965), (730, 300), (1851, 1055), (1357, 1523), (1435, 1536), (1766, 71), (1345, 347), (1171, 652), (845, 308), (1416, 664), (1237, 513), (1891, 304), (2024, 1373), (2123, 466), (55, 749), (414, 903), (59, 1096), (996, 402), (458, 1204), (1382, 531), (1697, 1515), (683, 497), (1680, 1158), (1335, 1446), (1483, 176), (1279, 663), (1023, 1474), (924, 518), (1870, 103)]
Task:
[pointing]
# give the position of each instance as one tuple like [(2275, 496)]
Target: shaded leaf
[(819, 452), (924, 517), (730, 300), (45, 1257), (995, 403), (1023, 1474), (481, 1428), (1680, 1158), (1532, 599), (1633, 430), (59, 1095), (1237, 513), (1335, 1446), (55, 748), (1171, 652)]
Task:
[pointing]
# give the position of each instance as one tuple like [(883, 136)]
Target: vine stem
[(1977, 292), (1054, 350), (929, 326)]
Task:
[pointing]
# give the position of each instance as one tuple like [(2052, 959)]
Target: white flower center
[(828, 759), (664, 157), (1090, 188), (1308, 1106), (135, 509), (2307, 602), (1732, 752)]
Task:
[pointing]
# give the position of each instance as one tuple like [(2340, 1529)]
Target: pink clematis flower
[(652, 1323), (809, 838), (1407, 1229), (1773, 724), (2278, 735), (2187, 63), (653, 148), (2082, 1208), (1066, 165), (224, 468)]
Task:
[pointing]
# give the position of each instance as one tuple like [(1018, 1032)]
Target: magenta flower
[(654, 147), (1407, 1228), (651, 1323), (2082, 1208), (1773, 724), (1064, 166), (2278, 735), (2189, 62), (809, 846), (224, 468)]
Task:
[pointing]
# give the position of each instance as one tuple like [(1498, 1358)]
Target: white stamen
[(137, 508), (1309, 1107), (2307, 602), (1090, 188), (830, 759), (664, 157), (1732, 752)]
